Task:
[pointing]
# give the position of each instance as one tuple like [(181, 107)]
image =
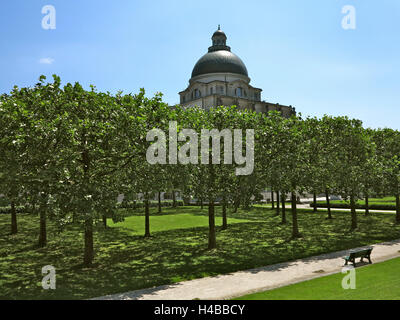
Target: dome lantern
[(219, 41)]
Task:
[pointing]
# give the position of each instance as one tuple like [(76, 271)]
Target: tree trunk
[(159, 202), (173, 199), (104, 221), (201, 203), (89, 251), (236, 204), (328, 203), (14, 227), (353, 213), (212, 240), (278, 209), (315, 201), (398, 208), (272, 199), (295, 227), (42, 231), (224, 218), (283, 208), (366, 204), (147, 217)]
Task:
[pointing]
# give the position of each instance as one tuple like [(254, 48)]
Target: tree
[(145, 174), (372, 173), (353, 146), (387, 142), (44, 130), (283, 158), (14, 142), (322, 151), (103, 131)]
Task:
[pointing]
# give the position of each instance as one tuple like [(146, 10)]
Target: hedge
[(18, 209), (153, 204), (358, 206)]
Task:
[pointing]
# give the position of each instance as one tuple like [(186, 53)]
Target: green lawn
[(379, 281), (177, 251), (133, 225)]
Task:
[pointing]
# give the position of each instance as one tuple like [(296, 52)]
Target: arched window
[(197, 93), (211, 90), (239, 92)]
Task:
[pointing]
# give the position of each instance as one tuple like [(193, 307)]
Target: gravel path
[(244, 282)]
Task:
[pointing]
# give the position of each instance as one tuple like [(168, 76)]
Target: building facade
[(220, 78)]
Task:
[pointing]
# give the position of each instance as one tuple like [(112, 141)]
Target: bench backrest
[(360, 253)]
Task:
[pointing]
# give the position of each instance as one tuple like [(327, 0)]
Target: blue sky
[(296, 51)]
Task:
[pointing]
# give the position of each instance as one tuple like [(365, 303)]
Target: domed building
[(220, 78)]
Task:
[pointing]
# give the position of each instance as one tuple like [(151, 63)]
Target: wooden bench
[(353, 254)]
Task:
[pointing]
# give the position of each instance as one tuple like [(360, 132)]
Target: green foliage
[(68, 153)]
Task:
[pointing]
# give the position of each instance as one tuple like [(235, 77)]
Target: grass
[(177, 250), (133, 225), (374, 282)]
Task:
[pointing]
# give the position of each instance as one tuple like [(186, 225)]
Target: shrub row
[(358, 206), (18, 209), (153, 204), (123, 205)]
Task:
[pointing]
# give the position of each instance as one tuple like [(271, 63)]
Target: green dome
[(219, 61), (219, 58)]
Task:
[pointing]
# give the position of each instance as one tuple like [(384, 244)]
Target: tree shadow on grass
[(125, 262)]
